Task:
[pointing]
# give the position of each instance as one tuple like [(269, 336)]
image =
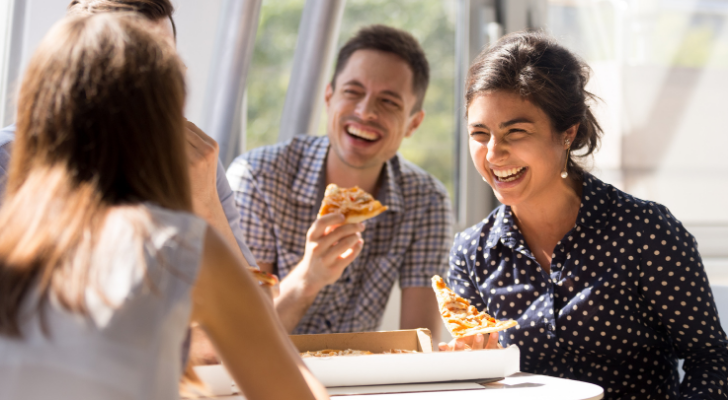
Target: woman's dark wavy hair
[(537, 68)]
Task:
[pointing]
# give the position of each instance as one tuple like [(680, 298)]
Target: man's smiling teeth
[(361, 133), (508, 175)]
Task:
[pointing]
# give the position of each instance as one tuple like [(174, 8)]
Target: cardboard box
[(419, 340), (357, 374), (388, 369)]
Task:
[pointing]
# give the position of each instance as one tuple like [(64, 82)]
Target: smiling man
[(338, 277)]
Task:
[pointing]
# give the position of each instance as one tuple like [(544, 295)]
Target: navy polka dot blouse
[(626, 297)]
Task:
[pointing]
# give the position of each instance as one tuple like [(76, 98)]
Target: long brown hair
[(99, 125), (534, 66), (152, 9)]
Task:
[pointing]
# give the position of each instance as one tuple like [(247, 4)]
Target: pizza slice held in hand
[(356, 204), (461, 318)]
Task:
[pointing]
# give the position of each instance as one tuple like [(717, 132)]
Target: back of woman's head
[(103, 99), (155, 10), (99, 125), (537, 68)]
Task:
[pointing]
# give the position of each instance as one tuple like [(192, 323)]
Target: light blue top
[(223, 190)]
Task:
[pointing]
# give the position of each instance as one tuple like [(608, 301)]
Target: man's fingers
[(443, 347), (318, 229), (348, 258), (340, 249), (338, 234)]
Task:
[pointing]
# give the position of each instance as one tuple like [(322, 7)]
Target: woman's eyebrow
[(519, 120)]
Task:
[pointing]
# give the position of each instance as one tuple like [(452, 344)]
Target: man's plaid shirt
[(278, 190)]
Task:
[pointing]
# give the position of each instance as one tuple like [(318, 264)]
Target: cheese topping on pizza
[(356, 204), (334, 353), (461, 318), (350, 352)]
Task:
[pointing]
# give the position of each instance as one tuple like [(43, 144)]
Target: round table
[(515, 387)]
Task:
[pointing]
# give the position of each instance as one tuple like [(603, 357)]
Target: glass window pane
[(661, 68)]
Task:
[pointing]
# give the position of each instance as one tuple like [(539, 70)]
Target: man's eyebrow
[(519, 120), (478, 125), (356, 83)]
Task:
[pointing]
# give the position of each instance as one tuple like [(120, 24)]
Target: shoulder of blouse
[(480, 232)]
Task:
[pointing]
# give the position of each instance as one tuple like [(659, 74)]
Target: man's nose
[(366, 108)]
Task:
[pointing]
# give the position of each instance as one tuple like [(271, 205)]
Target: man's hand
[(202, 153), (478, 341), (331, 246)]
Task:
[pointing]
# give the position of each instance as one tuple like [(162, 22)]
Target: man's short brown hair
[(391, 40), (152, 9)]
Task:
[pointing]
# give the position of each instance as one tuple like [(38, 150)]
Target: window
[(661, 68)]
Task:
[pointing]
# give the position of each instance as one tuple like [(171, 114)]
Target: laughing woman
[(606, 288)]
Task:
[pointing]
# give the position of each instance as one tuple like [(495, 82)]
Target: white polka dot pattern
[(626, 297)]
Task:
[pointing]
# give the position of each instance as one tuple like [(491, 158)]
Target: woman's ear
[(570, 135)]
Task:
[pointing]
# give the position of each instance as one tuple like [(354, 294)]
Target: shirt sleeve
[(675, 285), (4, 162), (231, 213), (427, 256), (458, 276), (256, 224)]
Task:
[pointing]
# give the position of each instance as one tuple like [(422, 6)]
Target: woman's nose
[(496, 150)]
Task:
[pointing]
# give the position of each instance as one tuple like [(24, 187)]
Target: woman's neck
[(544, 220)]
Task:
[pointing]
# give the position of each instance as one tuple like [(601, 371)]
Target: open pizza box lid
[(392, 373)]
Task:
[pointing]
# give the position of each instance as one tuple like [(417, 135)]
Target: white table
[(515, 387)]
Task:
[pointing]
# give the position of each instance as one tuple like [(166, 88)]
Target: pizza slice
[(263, 277), (356, 204), (461, 318)]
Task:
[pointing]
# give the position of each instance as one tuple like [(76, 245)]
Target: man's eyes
[(390, 103)]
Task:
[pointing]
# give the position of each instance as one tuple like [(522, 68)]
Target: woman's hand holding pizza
[(331, 246), (478, 341)]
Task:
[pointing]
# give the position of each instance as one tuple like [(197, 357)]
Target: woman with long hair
[(102, 264), (605, 287)]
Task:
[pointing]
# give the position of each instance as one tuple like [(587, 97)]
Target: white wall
[(196, 28)]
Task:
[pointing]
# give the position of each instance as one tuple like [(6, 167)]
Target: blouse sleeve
[(460, 276), (674, 283)]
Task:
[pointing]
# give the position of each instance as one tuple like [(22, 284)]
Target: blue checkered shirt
[(278, 190)]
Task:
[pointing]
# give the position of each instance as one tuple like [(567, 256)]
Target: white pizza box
[(387, 369), (390, 373)]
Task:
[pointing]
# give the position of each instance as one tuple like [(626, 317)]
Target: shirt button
[(551, 327)]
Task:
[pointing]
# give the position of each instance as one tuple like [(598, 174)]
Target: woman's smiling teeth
[(508, 175), (360, 133)]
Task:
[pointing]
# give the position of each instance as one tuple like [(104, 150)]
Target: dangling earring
[(564, 173)]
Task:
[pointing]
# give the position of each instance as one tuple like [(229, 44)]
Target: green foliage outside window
[(430, 21)]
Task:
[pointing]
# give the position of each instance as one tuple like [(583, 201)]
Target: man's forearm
[(293, 302)]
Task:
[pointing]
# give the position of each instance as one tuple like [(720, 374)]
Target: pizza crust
[(460, 317), (356, 204)]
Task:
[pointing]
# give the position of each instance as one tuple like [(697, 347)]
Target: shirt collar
[(595, 203), (305, 182), (310, 183), (593, 213)]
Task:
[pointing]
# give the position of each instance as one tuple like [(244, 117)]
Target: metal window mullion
[(234, 43), (11, 54), (312, 61)]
